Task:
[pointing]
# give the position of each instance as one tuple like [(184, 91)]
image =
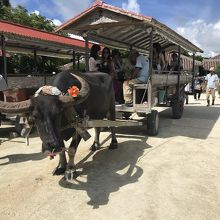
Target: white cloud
[(204, 35), (131, 5), (62, 9), (68, 9), (57, 22), (36, 12)]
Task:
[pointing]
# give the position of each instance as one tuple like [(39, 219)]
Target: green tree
[(20, 15), (218, 70), (5, 3)]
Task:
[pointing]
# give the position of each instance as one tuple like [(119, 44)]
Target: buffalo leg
[(71, 173), (114, 143), (111, 116), (61, 168), (96, 145)]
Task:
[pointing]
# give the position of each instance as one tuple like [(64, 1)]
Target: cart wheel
[(126, 115), (18, 126), (177, 108), (139, 114), (153, 123)]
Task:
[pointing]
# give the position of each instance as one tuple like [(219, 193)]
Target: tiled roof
[(216, 57), (28, 32), (103, 5)]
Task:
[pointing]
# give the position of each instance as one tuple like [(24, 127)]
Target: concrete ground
[(172, 176)]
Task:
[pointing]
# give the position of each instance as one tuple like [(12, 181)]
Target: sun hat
[(133, 51), (212, 69)]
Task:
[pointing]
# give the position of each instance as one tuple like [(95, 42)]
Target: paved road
[(172, 176)]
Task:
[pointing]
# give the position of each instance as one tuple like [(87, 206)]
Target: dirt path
[(172, 176)]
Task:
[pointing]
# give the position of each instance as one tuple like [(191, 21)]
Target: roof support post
[(178, 78), (87, 53), (35, 62), (4, 58), (78, 57), (151, 53), (74, 58), (193, 72)]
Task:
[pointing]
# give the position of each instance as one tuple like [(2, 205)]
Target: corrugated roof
[(103, 5), (113, 24), (217, 57), (24, 31)]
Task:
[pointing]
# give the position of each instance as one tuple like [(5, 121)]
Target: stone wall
[(29, 82)]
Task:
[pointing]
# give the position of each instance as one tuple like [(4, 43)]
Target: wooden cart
[(121, 29)]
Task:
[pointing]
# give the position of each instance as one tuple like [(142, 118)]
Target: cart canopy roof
[(120, 28)]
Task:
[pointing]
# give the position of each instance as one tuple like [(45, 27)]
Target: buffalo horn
[(83, 93)]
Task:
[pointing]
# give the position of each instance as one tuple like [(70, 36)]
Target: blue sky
[(197, 20)]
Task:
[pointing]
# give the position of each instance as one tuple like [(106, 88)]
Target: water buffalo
[(51, 113)]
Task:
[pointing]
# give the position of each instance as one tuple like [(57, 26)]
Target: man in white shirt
[(139, 74), (211, 83)]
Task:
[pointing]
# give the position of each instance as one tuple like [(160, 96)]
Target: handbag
[(198, 87)]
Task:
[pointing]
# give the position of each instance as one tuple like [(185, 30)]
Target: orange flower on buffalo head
[(73, 91)]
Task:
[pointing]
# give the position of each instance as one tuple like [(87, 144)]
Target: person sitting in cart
[(139, 75), (3, 84), (174, 65)]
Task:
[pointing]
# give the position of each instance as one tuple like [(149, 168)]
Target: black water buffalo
[(51, 113)]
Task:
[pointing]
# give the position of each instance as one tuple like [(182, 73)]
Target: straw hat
[(133, 51), (212, 69)]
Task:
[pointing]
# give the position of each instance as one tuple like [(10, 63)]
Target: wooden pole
[(87, 53), (151, 53), (74, 57), (78, 57), (4, 58), (193, 72), (35, 62), (178, 79)]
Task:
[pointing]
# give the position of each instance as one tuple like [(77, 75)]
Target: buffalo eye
[(35, 115)]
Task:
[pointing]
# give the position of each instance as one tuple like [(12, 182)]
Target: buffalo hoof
[(94, 147), (59, 171), (113, 145), (71, 174)]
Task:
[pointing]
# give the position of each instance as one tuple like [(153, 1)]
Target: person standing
[(187, 91), (106, 62), (117, 76), (158, 58), (139, 75), (197, 87), (211, 82)]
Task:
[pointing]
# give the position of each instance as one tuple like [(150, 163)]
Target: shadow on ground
[(197, 122), (7, 134), (18, 158), (108, 171)]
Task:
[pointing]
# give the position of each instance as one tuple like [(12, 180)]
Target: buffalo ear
[(31, 108)]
